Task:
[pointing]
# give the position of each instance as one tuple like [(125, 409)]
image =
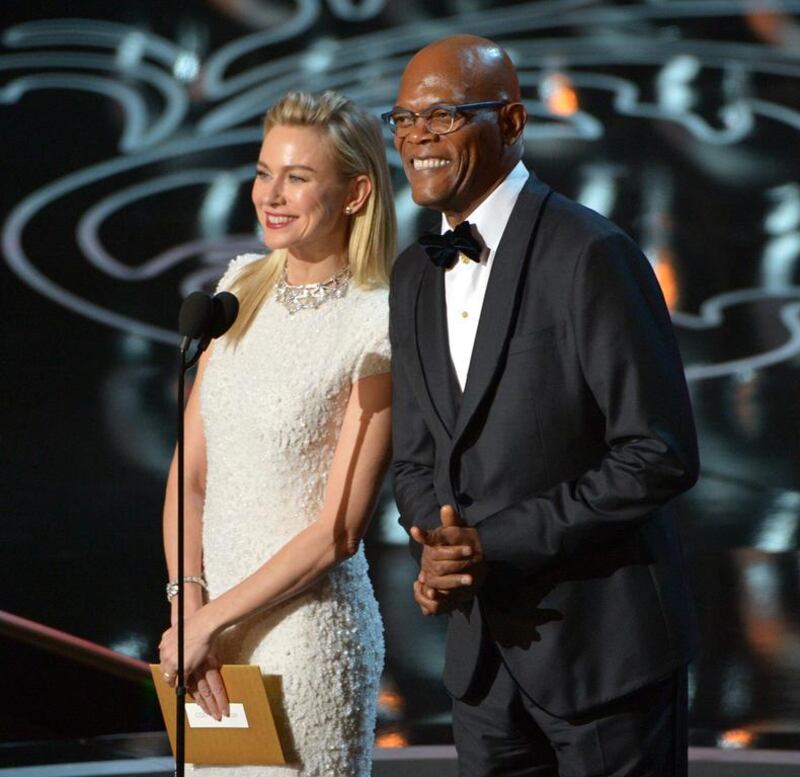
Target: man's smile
[(429, 163)]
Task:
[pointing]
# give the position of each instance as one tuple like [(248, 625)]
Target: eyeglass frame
[(452, 109)]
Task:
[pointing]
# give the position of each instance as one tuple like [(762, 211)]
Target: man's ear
[(512, 122)]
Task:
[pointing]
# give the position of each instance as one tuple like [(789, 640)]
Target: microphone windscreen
[(195, 315), (226, 308)]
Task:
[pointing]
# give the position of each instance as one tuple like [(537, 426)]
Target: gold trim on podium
[(256, 744)]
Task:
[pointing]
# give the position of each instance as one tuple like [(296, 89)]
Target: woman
[(287, 442)]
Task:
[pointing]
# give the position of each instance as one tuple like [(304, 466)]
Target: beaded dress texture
[(272, 408)]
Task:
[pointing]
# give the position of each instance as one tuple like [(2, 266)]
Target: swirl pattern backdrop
[(130, 143)]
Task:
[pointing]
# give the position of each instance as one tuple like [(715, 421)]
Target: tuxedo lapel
[(499, 304), (430, 330)]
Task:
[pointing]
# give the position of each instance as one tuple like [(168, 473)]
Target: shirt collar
[(491, 216)]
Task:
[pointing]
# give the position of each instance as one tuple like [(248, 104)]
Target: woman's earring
[(348, 210)]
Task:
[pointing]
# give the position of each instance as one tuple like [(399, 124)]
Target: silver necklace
[(311, 295)]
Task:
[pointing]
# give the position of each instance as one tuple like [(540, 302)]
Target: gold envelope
[(256, 744)]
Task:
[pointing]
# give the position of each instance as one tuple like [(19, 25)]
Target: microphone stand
[(180, 684), (201, 318)]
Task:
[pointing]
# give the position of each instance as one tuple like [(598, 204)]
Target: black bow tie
[(444, 249)]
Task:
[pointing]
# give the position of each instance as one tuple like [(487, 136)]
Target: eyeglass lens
[(439, 121)]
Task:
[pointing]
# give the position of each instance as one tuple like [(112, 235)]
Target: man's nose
[(419, 132)]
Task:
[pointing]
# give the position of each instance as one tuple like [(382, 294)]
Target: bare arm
[(194, 496)]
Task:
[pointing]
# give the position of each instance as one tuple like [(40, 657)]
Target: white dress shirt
[(465, 283)]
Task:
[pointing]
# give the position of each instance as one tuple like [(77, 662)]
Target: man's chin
[(427, 198)]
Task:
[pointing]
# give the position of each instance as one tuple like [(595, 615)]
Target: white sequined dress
[(272, 409)]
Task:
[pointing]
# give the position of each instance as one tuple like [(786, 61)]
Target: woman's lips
[(275, 221)]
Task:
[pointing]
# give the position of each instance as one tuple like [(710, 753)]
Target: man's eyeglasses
[(439, 119)]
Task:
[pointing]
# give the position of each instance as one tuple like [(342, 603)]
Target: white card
[(198, 719)]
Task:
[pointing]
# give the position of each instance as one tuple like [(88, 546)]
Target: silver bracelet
[(172, 587)]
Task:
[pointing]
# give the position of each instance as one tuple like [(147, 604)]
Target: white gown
[(272, 408)]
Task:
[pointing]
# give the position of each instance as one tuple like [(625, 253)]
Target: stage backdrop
[(130, 132)]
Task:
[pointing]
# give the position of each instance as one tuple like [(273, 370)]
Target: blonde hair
[(357, 146)]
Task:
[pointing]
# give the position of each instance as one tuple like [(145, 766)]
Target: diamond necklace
[(311, 295)]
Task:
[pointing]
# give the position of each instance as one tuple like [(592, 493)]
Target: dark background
[(129, 135)]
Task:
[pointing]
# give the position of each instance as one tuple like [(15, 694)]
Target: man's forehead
[(422, 90), (458, 69)]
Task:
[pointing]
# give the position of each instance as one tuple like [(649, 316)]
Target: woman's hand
[(197, 642), (208, 689), (200, 664)]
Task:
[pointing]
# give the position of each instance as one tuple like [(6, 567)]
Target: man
[(541, 425)]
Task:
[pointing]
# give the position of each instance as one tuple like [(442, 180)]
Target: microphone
[(194, 318), (226, 308), (204, 318)]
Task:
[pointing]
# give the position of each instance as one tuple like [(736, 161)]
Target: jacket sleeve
[(630, 362), (412, 444)]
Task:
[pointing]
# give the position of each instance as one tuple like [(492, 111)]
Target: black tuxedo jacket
[(573, 432)]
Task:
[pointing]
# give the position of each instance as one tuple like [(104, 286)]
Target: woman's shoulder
[(372, 302), (369, 328), (235, 266), (373, 296)]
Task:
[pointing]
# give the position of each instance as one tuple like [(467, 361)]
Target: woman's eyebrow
[(287, 167)]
